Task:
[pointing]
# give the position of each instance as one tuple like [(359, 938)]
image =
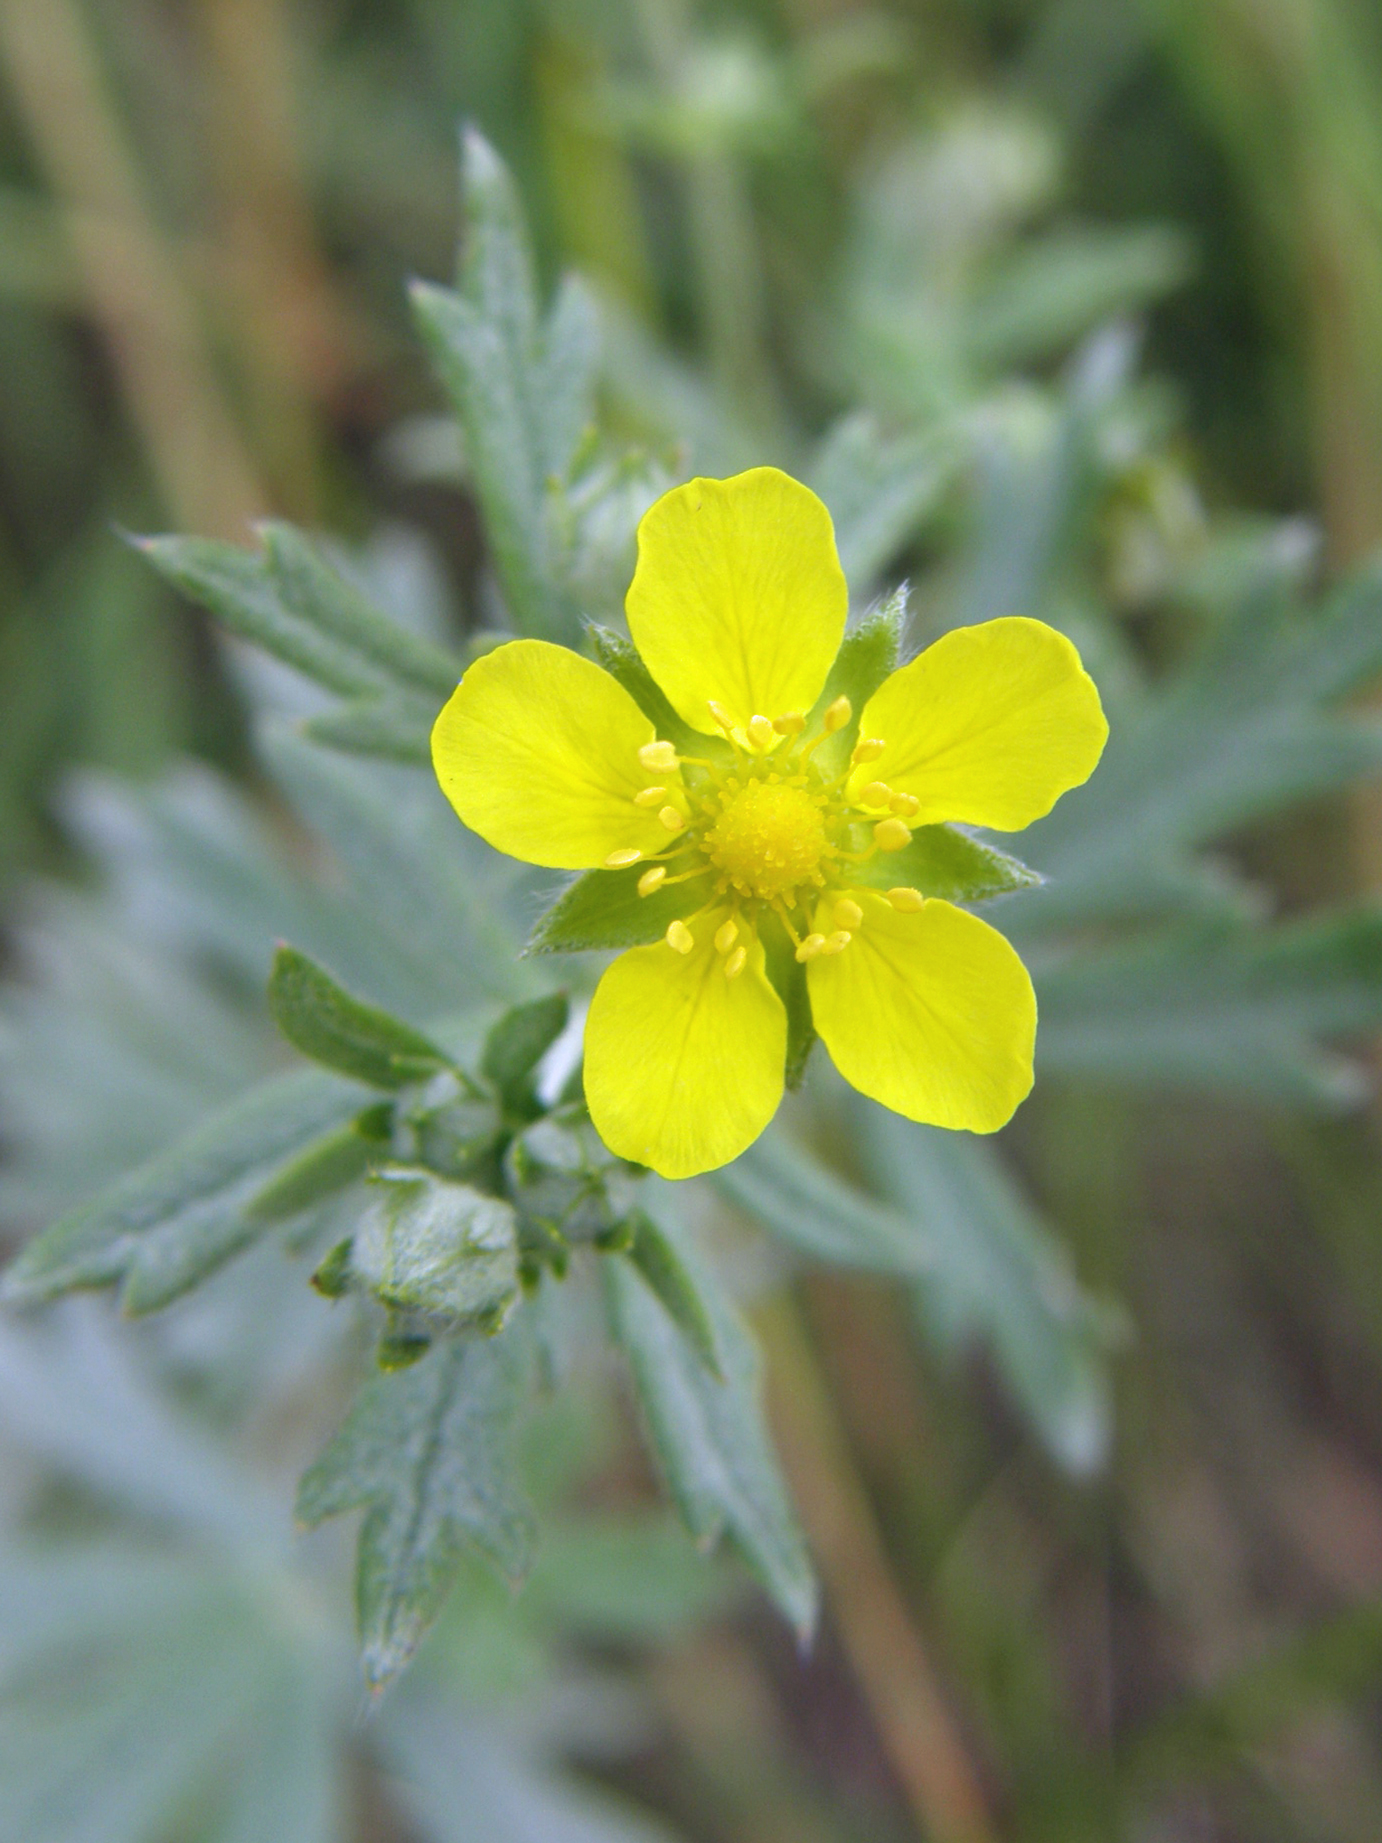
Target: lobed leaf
[(709, 1434), (166, 1226), (443, 1250), (424, 1451)]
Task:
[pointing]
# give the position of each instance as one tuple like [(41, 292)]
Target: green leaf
[(517, 1044), (425, 1453), (602, 911), (523, 392), (337, 1159), (399, 731), (880, 491), (1232, 1010), (943, 860), (782, 1182), (997, 1277), (235, 586), (633, 1579), (656, 1258), (342, 1033), (323, 598), (1242, 732), (622, 660), (709, 1435), (175, 1220), (443, 1250)]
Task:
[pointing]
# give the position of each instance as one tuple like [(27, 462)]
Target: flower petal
[(931, 1013), (537, 750), (738, 596), (990, 726), (683, 1067)]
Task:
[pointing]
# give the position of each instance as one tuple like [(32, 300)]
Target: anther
[(657, 757), (721, 715), (848, 914), (869, 749), (617, 860), (904, 805), (791, 723), (761, 732), (810, 947), (652, 879), (726, 935), (891, 835), (877, 793), (907, 901), (650, 796), (836, 943), (736, 962), (679, 937), (671, 818), (837, 715)]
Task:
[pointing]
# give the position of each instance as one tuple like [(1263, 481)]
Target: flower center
[(768, 839)]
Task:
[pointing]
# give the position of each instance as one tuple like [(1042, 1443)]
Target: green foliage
[(176, 1219), (602, 910), (435, 1251), (425, 1453), (336, 1030), (708, 1432), (516, 1045)]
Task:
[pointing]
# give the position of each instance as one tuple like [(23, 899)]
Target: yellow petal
[(738, 597), (683, 1067), (931, 1013), (990, 726), (537, 750)]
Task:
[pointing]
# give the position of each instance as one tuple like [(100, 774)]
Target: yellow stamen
[(791, 723), (736, 962), (837, 715), (836, 943), (726, 935), (618, 859), (810, 947), (869, 749), (657, 757), (652, 879), (906, 901), (904, 805), (650, 796), (721, 715), (761, 732), (891, 835), (672, 819), (848, 914), (877, 793), (679, 937)]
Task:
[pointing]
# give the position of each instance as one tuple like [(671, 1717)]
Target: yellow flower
[(775, 826)]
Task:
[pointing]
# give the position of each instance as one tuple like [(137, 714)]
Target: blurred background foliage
[(1065, 307)]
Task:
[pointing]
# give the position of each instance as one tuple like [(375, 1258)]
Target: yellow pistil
[(769, 838)]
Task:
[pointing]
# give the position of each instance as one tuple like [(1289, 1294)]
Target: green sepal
[(602, 911), (868, 653), (335, 1161), (333, 1278), (517, 1044), (440, 1252), (341, 1032), (788, 978), (943, 861), (622, 660), (666, 1273), (399, 1347)]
